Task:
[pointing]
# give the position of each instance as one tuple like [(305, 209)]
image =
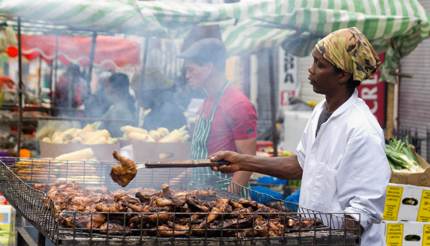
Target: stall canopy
[(110, 51), (393, 26), (113, 16)]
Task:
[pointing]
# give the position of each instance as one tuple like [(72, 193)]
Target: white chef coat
[(345, 169)]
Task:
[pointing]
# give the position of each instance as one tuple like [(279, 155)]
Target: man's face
[(322, 75), (196, 74)]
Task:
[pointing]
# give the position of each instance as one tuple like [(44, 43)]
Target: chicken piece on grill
[(195, 217), (97, 220), (177, 200), (110, 207), (80, 203), (260, 226), (297, 224), (248, 232), (113, 228), (126, 199), (178, 227), (124, 172), (233, 223), (220, 207), (145, 195), (268, 227), (236, 205), (248, 203), (195, 203), (166, 231), (87, 221), (157, 217), (162, 202), (243, 213), (138, 207), (276, 228), (160, 217)]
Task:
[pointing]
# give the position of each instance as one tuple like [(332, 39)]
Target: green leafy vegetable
[(401, 156)]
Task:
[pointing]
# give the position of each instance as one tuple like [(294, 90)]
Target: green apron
[(199, 148)]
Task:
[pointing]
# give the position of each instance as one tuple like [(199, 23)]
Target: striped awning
[(111, 16), (393, 26)]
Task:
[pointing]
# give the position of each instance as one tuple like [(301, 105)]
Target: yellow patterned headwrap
[(348, 49)]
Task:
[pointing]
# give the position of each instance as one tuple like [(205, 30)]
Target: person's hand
[(235, 161)]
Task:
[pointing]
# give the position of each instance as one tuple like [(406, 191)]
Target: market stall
[(49, 52)]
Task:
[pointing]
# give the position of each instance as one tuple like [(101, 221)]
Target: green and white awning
[(393, 26), (112, 16)]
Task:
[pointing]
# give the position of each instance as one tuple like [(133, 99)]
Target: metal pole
[(273, 103), (141, 81), (92, 55), (54, 70), (428, 143), (39, 78), (20, 88), (145, 58)]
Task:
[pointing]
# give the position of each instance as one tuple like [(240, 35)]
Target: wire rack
[(19, 177)]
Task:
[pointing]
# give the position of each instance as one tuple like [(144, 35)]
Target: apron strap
[(203, 126)]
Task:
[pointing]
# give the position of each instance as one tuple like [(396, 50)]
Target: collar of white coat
[(344, 107)]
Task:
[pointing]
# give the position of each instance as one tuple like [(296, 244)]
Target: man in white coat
[(340, 157)]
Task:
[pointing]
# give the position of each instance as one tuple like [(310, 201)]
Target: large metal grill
[(19, 177)]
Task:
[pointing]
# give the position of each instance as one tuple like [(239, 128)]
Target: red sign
[(372, 91)]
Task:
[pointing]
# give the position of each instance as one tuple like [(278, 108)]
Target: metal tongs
[(181, 163), (125, 171)]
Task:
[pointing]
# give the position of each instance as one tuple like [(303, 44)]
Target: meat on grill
[(114, 228), (168, 213), (125, 171)]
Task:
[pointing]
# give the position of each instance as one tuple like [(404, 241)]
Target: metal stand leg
[(40, 239)]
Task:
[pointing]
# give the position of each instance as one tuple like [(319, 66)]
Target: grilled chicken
[(113, 228), (125, 171), (168, 213)]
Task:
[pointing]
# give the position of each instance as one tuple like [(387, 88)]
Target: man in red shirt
[(227, 120)]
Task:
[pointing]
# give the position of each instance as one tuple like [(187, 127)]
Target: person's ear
[(344, 77)]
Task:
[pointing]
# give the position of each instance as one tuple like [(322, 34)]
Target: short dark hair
[(119, 82)]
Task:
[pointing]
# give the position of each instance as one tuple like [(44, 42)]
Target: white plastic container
[(294, 125)]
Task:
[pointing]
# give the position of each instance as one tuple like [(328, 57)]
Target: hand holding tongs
[(125, 171)]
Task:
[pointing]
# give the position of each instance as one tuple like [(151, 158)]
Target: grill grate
[(19, 177)]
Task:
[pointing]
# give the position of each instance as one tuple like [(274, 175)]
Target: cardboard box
[(419, 178), (407, 203), (103, 152), (7, 225), (407, 233)]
